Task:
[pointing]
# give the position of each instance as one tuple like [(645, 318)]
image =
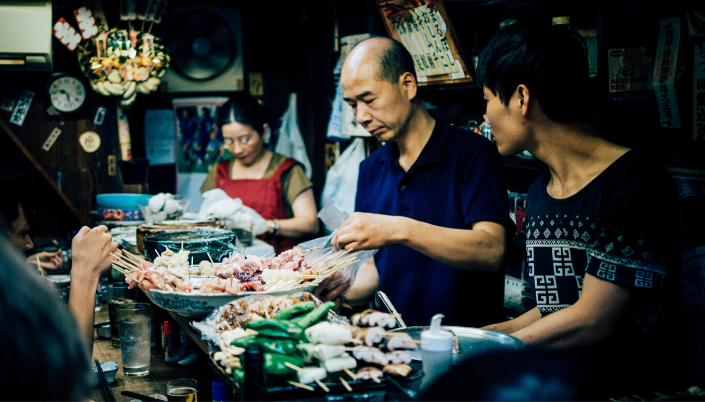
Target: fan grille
[(201, 45)]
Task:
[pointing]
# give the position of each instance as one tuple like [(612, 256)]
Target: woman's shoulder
[(277, 161)]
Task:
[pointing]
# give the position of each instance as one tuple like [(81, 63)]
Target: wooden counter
[(160, 372)]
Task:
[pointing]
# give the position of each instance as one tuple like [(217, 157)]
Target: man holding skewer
[(432, 200)]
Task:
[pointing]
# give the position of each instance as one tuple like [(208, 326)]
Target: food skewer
[(39, 266), (350, 373), (293, 366), (322, 385), (352, 340), (340, 254), (264, 256), (209, 257), (336, 268), (346, 385), (304, 386), (132, 256), (125, 260), (316, 262)]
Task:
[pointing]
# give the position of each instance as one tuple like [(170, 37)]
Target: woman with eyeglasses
[(273, 185)]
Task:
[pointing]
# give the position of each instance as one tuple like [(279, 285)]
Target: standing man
[(602, 225), (432, 200)]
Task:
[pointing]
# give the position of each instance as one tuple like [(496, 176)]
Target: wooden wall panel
[(78, 175)]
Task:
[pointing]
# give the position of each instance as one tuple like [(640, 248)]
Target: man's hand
[(48, 260), (364, 231), (331, 289), (90, 251)]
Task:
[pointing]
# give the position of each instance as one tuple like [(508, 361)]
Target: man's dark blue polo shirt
[(455, 181)]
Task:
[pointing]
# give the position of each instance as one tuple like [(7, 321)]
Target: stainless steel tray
[(471, 341)]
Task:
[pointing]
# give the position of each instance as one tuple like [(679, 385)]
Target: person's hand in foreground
[(90, 253), (50, 261), (363, 231), (331, 289)]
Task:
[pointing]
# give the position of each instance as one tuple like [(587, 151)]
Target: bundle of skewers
[(311, 351), (234, 275)]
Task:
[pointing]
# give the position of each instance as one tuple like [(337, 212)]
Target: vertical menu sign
[(664, 72), (423, 33), (699, 91)]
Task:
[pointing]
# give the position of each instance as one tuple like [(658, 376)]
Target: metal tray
[(471, 341)]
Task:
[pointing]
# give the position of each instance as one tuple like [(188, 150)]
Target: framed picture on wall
[(199, 143), (425, 30)]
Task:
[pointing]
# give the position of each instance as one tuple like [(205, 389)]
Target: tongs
[(390, 307)]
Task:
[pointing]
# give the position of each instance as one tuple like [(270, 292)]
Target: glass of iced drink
[(135, 325), (118, 294), (182, 390)]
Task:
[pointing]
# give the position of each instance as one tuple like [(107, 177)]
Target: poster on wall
[(199, 144), (629, 74)]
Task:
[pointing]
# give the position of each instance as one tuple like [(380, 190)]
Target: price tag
[(112, 165), (51, 139), (99, 116), (22, 107)]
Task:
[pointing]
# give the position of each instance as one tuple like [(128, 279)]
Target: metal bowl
[(471, 341)]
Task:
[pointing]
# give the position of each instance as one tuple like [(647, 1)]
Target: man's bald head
[(386, 55)]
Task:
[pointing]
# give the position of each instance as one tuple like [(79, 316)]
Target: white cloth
[(217, 204), (341, 180), (290, 142)]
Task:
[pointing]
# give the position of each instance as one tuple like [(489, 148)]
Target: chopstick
[(100, 324), (109, 396), (140, 396)]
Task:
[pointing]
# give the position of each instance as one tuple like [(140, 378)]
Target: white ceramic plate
[(200, 305)]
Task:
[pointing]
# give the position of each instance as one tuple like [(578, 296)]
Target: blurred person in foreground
[(90, 248), (602, 235), (43, 359)]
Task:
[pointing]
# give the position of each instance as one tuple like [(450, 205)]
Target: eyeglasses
[(243, 141)]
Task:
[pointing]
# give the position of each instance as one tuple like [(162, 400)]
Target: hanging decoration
[(118, 62)]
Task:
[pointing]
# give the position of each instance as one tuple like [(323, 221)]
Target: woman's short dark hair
[(43, 358), (550, 60), (243, 110)]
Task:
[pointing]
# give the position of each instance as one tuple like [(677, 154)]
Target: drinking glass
[(182, 390), (118, 294), (135, 324)]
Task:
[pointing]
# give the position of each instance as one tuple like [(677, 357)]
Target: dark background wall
[(292, 45)]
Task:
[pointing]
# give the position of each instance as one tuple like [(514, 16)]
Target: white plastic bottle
[(436, 350)]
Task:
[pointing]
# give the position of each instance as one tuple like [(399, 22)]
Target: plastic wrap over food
[(333, 217)]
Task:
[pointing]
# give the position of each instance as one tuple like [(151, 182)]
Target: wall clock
[(67, 93)]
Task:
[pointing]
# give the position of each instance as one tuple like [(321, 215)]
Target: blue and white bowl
[(199, 305), (109, 369)]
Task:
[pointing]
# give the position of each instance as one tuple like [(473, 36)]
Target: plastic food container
[(171, 210)]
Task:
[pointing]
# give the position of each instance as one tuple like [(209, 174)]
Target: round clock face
[(67, 94)]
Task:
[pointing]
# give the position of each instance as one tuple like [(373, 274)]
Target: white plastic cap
[(435, 339)]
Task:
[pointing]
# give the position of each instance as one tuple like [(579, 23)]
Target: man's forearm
[(82, 306), (511, 326), (565, 329), (361, 294), (461, 248), (365, 286)]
